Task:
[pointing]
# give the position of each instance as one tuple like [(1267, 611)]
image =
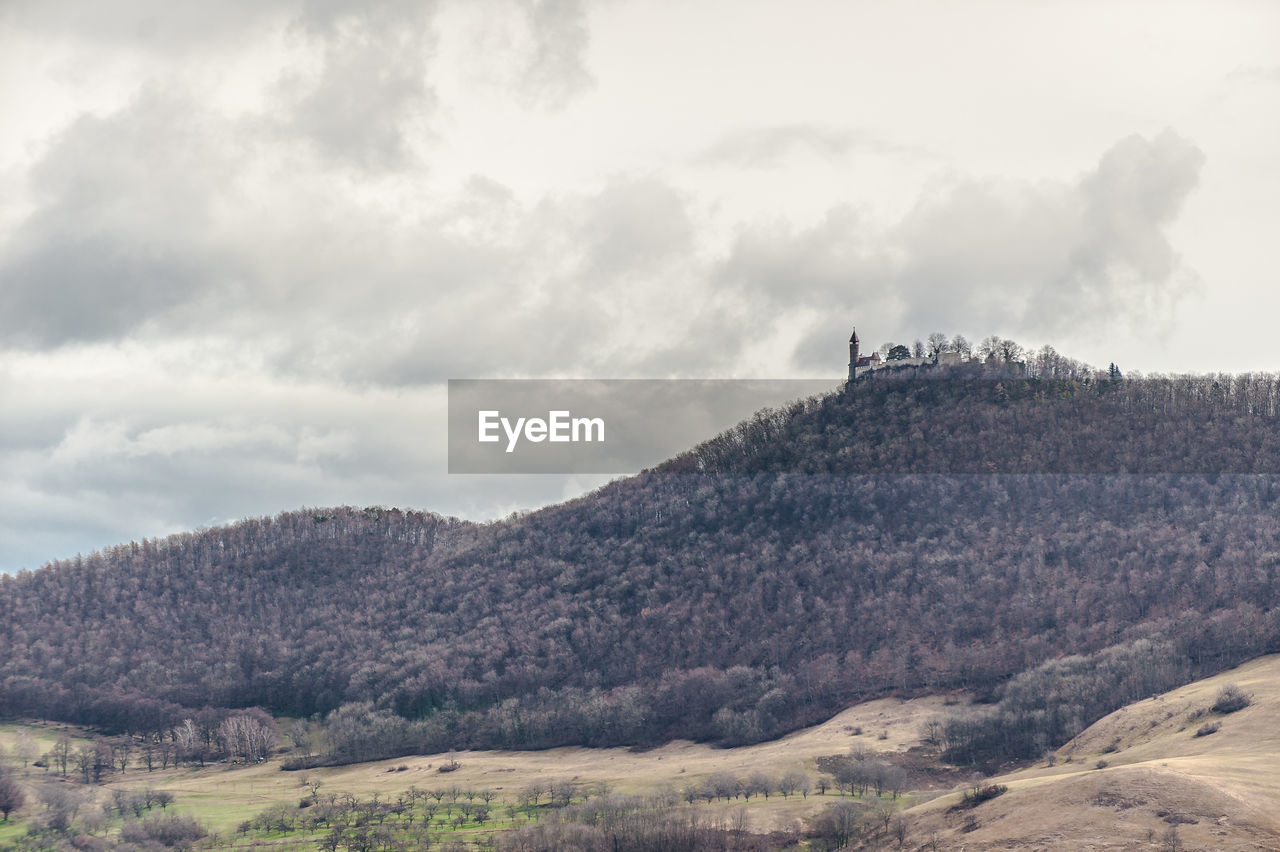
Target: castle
[(861, 364)]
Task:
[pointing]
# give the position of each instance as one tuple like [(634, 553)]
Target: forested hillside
[(926, 530)]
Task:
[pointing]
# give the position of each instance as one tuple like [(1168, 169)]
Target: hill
[(1142, 776), (925, 531)]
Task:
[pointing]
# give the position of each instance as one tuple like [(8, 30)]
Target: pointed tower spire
[(853, 355)]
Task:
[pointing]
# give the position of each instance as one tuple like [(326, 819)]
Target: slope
[(1141, 774), (933, 530)]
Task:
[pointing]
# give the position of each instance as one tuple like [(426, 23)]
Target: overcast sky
[(243, 244)]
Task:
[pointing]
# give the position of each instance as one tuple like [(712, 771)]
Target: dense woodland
[(925, 529)]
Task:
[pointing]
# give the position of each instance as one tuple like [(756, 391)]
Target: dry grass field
[(222, 797), (1130, 781), (1220, 790), (225, 796)]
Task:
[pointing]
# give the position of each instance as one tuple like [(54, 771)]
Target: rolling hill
[(1141, 777), (934, 529)]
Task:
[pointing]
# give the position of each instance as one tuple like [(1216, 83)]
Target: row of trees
[(545, 813), (627, 824), (727, 786), (632, 824), (239, 737), (938, 343), (1044, 363), (861, 772)]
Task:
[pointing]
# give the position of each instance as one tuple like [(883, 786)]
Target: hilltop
[(935, 530)]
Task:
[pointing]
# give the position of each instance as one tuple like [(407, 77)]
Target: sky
[(243, 245)]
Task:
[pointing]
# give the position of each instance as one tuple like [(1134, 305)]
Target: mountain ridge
[(881, 540)]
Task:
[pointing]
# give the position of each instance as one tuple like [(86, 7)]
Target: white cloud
[(242, 243), (989, 254)]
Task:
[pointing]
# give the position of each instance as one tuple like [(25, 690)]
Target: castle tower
[(853, 355)]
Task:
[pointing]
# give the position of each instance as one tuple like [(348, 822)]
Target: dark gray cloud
[(121, 230), (371, 92), (148, 225), (88, 288)]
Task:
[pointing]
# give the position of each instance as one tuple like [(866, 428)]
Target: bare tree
[(11, 796), (121, 751), (62, 802), (25, 747), (84, 758), (763, 784), (244, 736), (790, 783), (186, 738), (937, 344), (989, 347), (1011, 351), (60, 754)]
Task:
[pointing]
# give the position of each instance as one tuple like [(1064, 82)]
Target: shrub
[(1230, 699), (1208, 728), (979, 794)]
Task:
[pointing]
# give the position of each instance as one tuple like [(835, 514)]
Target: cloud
[(767, 146), (119, 233), (304, 225), (112, 446), (988, 254), (151, 25), (1044, 258), (370, 90), (163, 221), (156, 223), (572, 285), (835, 260), (555, 71)]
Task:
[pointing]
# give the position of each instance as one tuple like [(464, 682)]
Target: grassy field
[(223, 797), (1137, 775), (1130, 781)]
